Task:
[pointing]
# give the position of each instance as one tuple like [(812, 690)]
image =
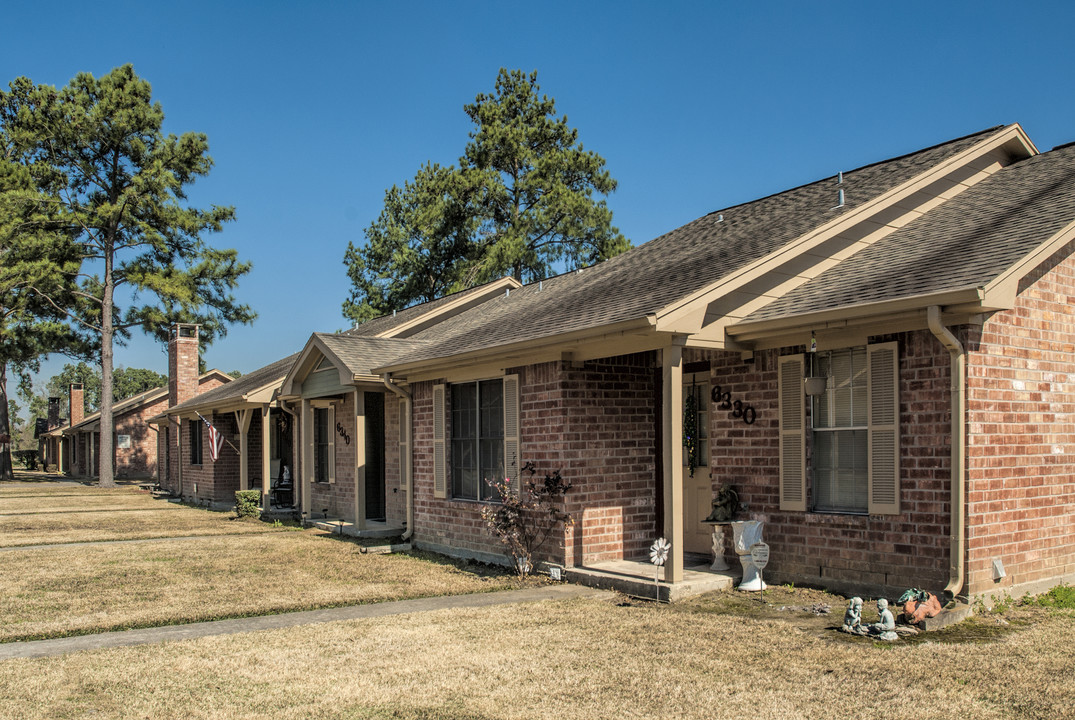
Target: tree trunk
[(6, 473), (105, 453)]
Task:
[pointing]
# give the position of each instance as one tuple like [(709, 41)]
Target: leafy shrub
[(28, 458), (523, 521), (248, 503), (1060, 597)]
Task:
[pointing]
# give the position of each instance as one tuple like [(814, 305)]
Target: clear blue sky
[(313, 110)]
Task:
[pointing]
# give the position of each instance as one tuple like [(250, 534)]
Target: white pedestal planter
[(745, 534)]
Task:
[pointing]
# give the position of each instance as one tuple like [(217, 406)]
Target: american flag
[(216, 440)]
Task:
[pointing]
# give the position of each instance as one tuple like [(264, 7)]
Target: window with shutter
[(855, 431), (482, 437)]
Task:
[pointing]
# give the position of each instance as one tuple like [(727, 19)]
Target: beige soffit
[(442, 311), (617, 338), (771, 277), (907, 311)]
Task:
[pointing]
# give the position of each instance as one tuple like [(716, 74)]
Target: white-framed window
[(477, 427), (475, 437), (853, 432)]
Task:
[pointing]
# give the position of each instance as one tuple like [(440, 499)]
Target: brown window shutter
[(884, 429), (792, 434), (404, 439), (331, 422), (511, 430), (440, 459)]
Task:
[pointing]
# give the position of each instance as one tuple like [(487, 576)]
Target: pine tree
[(522, 202), (118, 184)]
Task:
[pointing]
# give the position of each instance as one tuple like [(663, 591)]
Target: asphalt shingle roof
[(966, 242), (662, 271), (240, 386), (359, 353)]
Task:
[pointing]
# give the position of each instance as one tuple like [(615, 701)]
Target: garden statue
[(885, 629), (724, 505), (853, 617), (919, 605)]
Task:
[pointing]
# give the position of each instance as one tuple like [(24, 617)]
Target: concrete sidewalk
[(146, 636)]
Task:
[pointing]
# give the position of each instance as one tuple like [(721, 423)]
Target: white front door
[(698, 489)]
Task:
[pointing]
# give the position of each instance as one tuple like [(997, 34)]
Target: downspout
[(406, 463), (958, 489)]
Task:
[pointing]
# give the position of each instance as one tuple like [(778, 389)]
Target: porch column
[(306, 482), (359, 440), (266, 481), (672, 374), (243, 417)]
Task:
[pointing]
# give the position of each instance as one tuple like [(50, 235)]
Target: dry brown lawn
[(569, 659), (74, 590), (54, 513)]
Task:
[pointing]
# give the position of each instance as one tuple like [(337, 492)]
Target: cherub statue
[(885, 629), (853, 617)]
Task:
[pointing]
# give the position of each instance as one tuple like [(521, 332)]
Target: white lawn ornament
[(658, 555)]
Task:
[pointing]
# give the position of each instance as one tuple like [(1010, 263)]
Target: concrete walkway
[(147, 636)]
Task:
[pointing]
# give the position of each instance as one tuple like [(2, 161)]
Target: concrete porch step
[(342, 527), (636, 578)]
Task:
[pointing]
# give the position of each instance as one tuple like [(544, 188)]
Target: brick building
[(135, 444), (879, 362)]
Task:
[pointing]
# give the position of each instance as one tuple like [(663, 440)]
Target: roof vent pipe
[(541, 284), (507, 292), (839, 198), (720, 218), (839, 178)]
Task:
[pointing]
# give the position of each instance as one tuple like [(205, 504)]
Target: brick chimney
[(182, 364), (78, 404), (54, 412)]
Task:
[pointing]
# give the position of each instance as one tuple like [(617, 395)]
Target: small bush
[(28, 458), (524, 521), (1060, 597), (248, 503)]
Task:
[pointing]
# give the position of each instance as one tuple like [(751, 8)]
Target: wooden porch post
[(360, 459), (243, 416), (266, 481), (672, 374)]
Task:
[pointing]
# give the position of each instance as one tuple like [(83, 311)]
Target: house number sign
[(723, 400), (343, 433)]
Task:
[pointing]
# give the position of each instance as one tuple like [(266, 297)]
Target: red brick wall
[(1021, 437), (597, 425), (337, 499), (892, 551)]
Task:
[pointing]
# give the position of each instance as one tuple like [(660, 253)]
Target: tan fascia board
[(1000, 292), (303, 365), (452, 307), (968, 300), (692, 307), (552, 345)]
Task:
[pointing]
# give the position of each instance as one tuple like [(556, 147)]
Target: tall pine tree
[(526, 200), (119, 185)]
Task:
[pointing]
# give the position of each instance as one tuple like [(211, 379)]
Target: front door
[(697, 488), (375, 495)]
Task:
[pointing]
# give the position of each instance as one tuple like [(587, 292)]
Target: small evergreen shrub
[(248, 503)]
